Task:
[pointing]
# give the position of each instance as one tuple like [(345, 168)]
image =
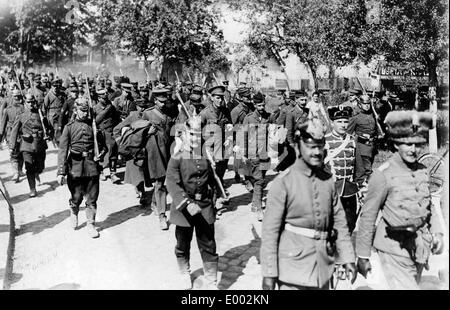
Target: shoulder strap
[(337, 150)]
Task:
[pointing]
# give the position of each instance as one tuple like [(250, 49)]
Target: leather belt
[(307, 232), (367, 141), (83, 153), (199, 196)]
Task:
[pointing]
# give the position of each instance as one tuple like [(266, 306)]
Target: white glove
[(193, 209)]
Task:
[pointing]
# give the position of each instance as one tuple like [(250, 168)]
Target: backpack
[(133, 141)]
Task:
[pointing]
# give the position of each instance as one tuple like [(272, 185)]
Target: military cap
[(258, 97), (160, 93), (37, 77), (300, 94), (291, 95), (409, 126), (340, 111), (217, 90), (243, 83), (82, 104), (244, 92), (108, 82), (56, 83), (126, 86), (312, 131), (197, 89), (29, 98), (365, 99), (141, 102), (73, 84), (73, 89), (16, 92)]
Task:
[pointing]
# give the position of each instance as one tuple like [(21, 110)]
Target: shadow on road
[(122, 216), (15, 277), (46, 222), (19, 198)]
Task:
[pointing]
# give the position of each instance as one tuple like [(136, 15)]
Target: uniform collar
[(303, 167), (402, 164), (336, 135)]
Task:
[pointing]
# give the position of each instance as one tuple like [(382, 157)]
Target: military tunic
[(124, 105), (342, 165), (401, 191), (52, 107), (364, 127), (304, 198), (297, 116)]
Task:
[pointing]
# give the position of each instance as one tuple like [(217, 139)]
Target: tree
[(320, 32), (414, 33), (178, 31)]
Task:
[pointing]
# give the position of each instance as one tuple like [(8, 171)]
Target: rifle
[(375, 114), (216, 177), (178, 79), (189, 76), (215, 78), (94, 124), (182, 104), (147, 75), (121, 73)]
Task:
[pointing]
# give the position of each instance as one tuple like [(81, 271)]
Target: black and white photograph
[(224, 145)]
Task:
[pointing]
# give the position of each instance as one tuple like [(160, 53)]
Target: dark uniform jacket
[(220, 117), (28, 128), (106, 116), (257, 138), (239, 113), (285, 109), (296, 116), (158, 144), (8, 118), (303, 198), (124, 106), (187, 178), (38, 93), (66, 112), (364, 127), (52, 107), (402, 193), (76, 150), (342, 164)]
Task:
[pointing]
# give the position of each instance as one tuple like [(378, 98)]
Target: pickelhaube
[(340, 111), (311, 131)]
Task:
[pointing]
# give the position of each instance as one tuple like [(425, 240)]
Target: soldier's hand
[(152, 130), (193, 209), (268, 283), (364, 266), (438, 244), (350, 272), (61, 179)]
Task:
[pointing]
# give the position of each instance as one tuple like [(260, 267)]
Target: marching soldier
[(408, 231), (190, 181), (193, 105), (107, 118), (286, 151), (77, 160), (68, 107), (125, 103), (53, 103), (238, 114), (304, 223), (352, 101), (117, 89), (340, 161), (257, 162), (217, 116), (363, 126), (14, 109), (134, 173), (297, 116), (28, 128), (158, 152), (38, 91), (227, 96), (109, 90)]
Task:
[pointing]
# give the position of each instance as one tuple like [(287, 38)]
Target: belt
[(199, 196), (307, 232), (367, 141), (83, 153)]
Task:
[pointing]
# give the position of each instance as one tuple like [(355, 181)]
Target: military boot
[(92, 231), (185, 271), (163, 222), (16, 174), (38, 180), (210, 275)]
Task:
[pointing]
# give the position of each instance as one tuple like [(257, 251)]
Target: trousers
[(400, 272), (88, 187)]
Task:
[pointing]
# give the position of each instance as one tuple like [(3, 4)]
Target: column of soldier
[(179, 141)]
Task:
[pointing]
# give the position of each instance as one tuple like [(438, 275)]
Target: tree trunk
[(21, 48), (332, 78), (313, 70), (432, 74), (104, 55)]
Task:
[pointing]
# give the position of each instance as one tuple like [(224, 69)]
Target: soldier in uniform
[(193, 105), (257, 162), (191, 184), (408, 231), (117, 89), (29, 130), (77, 160), (125, 103), (304, 231), (227, 96), (107, 118), (158, 152), (286, 151), (68, 108), (238, 114), (217, 116), (297, 116), (134, 171), (352, 101), (340, 161), (53, 103), (37, 90), (14, 109), (363, 127)]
